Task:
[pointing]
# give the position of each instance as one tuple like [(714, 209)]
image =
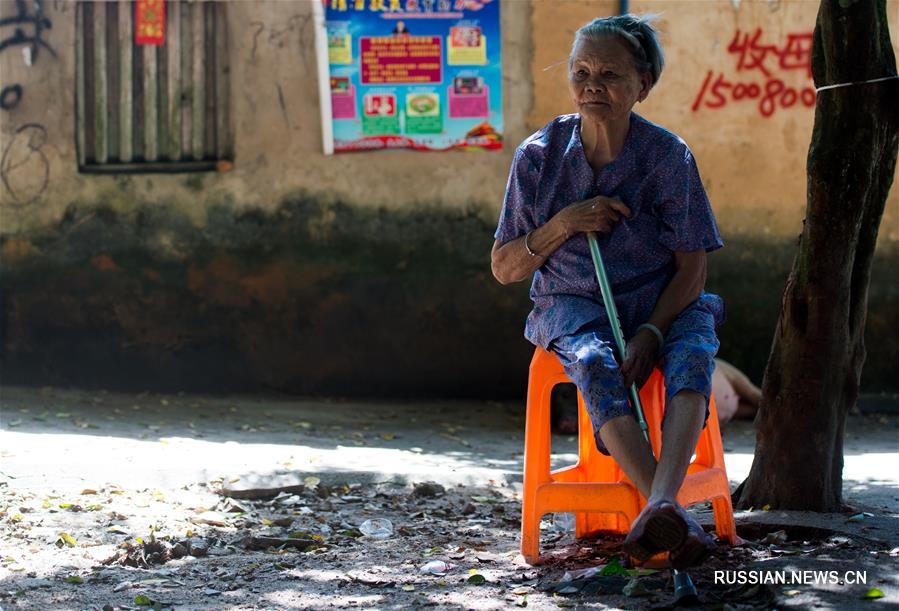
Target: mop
[(684, 590)]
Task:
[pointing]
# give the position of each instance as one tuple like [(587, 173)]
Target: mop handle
[(683, 585), (612, 312)]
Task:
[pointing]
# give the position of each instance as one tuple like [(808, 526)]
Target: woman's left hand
[(642, 352)]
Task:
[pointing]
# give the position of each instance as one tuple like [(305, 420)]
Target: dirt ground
[(112, 501)]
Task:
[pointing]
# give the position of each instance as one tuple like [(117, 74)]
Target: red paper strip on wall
[(149, 22)]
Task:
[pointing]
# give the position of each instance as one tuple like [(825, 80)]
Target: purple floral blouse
[(656, 176)]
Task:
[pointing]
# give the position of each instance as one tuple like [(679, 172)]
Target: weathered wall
[(278, 146), (352, 274), (751, 151), (361, 273)]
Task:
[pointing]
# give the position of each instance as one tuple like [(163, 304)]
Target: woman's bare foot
[(696, 545), (659, 527)]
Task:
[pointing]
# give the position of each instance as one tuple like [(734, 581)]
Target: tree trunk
[(812, 376)]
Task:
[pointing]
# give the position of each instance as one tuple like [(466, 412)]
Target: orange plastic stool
[(595, 489)]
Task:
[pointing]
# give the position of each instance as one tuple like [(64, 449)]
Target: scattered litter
[(377, 528), (437, 567), (859, 517), (634, 588), (775, 538)]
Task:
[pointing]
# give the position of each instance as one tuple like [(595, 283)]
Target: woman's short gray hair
[(637, 33)]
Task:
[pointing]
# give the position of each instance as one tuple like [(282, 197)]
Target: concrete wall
[(751, 152), (277, 147), (365, 273)]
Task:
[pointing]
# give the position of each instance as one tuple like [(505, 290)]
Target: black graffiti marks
[(24, 168), (11, 95), (296, 25), (283, 105), (259, 27), (38, 21)]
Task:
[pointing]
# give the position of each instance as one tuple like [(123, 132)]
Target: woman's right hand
[(595, 214)]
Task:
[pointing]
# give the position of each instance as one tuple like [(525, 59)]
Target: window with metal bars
[(152, 107)]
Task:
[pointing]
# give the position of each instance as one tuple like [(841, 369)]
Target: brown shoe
[(695, 548), (658, 528)]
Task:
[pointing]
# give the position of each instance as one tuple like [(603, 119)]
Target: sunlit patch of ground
[(83, 473)]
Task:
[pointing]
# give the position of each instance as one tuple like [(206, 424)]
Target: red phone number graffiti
[(773, 93)]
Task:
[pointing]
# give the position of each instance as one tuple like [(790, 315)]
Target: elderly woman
[(607, 170)]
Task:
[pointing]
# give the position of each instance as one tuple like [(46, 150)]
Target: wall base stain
[(323, 298)]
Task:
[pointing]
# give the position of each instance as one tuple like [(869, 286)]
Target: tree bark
[(812, 376)]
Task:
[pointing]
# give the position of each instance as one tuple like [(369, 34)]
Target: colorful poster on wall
[(414, 74)]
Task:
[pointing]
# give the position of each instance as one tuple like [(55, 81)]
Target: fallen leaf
[(211, 518), (613, 568), (477, 580), (74, 579), (66, 539)]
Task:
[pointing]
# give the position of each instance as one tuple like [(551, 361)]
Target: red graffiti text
[(771, 92)]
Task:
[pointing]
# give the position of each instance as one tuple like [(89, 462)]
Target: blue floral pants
[(687, 363)]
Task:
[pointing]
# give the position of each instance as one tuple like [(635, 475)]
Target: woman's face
[(603, 80)]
